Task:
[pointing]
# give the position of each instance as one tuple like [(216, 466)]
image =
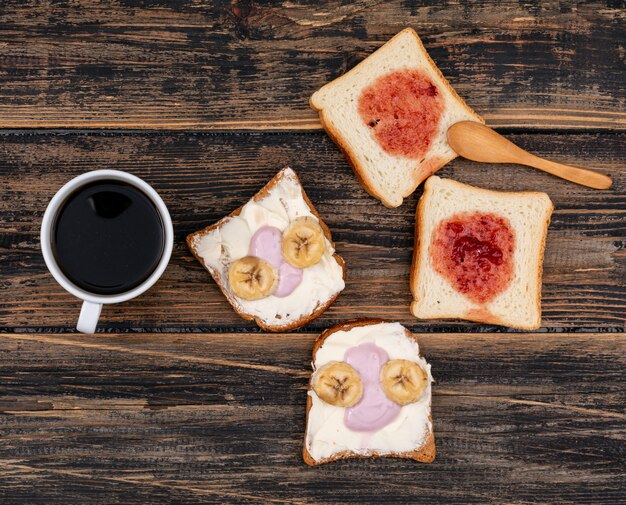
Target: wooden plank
[(242, 65), (203, 177), (157, 418)]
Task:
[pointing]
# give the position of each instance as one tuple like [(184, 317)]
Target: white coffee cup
[(92, 303)]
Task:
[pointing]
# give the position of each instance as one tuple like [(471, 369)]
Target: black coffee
[(108, 237)]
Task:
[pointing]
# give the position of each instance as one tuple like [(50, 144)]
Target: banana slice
[(403, 381), (252, 278), (303, 242), (339, 384)]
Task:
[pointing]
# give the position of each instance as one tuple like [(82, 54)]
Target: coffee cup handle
[(89, 315)]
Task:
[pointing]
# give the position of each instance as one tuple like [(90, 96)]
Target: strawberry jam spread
[(374, 410), (403, 109), (474, 251)]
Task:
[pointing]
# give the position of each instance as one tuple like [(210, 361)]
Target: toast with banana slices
[(390, 115), (369, 395), (273, 258), (479, 254)]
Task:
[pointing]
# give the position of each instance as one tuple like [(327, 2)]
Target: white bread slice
[(519, 305), (387, 177), (278, 203), (408, 436)]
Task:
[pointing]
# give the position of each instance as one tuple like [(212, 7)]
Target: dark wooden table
[(176, 399)]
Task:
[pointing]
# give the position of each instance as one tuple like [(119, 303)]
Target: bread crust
[(422, 171), (424, 454), (227, 292), (480, 315)]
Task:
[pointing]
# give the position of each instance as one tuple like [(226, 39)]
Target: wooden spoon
[(478, 142)]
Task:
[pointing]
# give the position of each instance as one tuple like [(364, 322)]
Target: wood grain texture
[(161, 418), (203, 177), (176, 399), (198, 64)]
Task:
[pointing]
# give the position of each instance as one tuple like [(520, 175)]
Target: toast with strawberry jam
[(390, 115), (479, 254)]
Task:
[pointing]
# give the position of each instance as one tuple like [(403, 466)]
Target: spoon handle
[(581, 176)]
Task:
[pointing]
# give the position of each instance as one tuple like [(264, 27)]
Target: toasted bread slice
[(384, 173), (409, 435), (280, 202), (489, 271)]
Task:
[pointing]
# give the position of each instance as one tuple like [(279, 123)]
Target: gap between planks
[(527, 119)]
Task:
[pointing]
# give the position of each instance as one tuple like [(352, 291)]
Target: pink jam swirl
[(374, 411), (266, 244)]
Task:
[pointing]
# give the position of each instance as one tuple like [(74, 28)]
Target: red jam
[(403, 109), (474, 251)]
